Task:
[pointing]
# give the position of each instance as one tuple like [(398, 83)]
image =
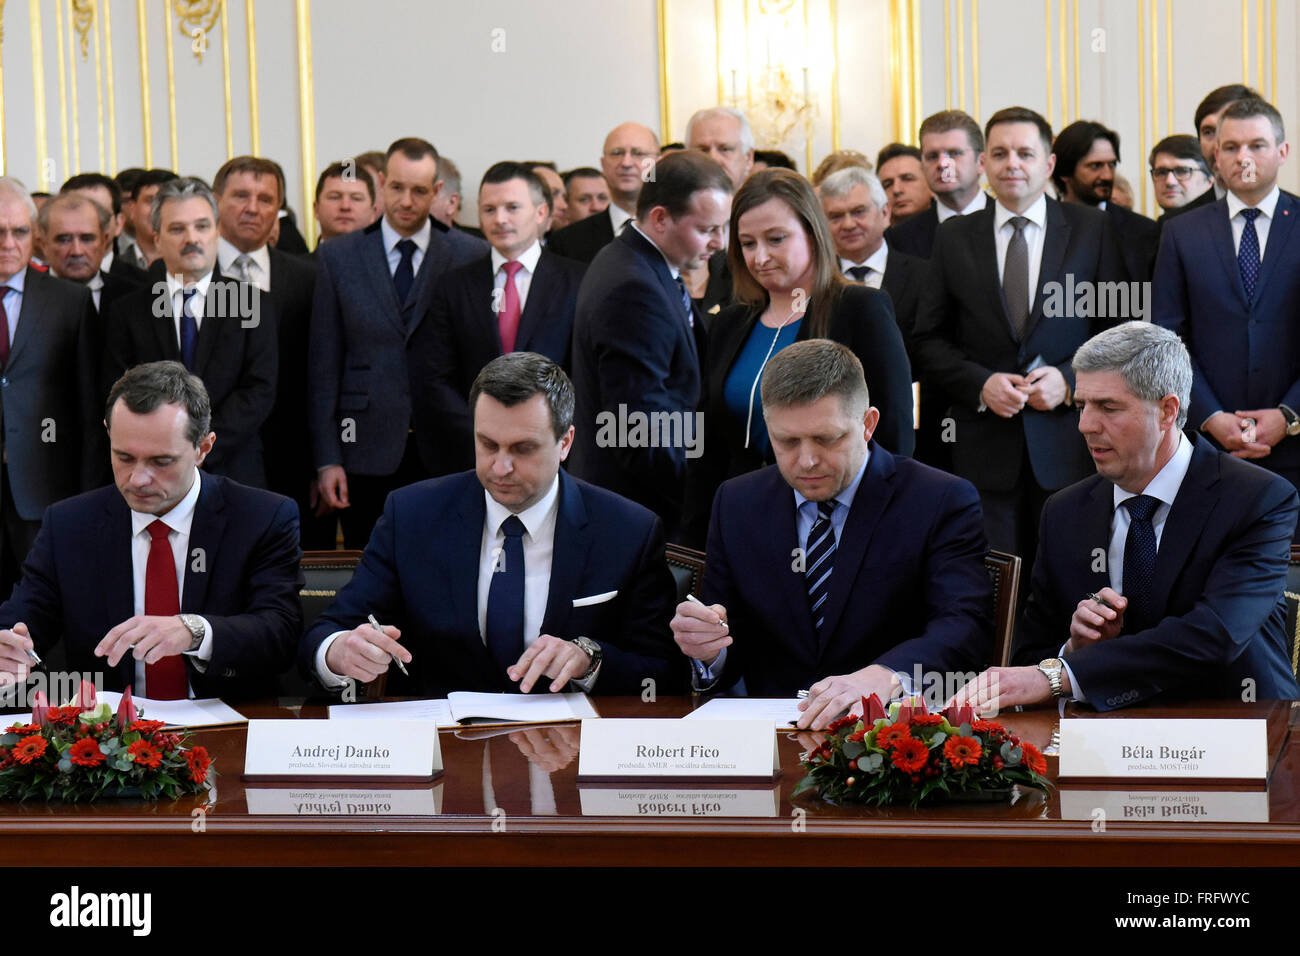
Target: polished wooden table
[(512, 799)]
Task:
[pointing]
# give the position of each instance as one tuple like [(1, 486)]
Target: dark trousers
[(17, 535), (1011, 519), (367, 494)]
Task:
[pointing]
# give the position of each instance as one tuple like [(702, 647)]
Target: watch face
[(1052, 662)]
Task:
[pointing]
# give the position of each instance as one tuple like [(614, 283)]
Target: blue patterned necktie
[(1248, 253), (189, 329), (686, 303), (404, 276), (819, 561), (1140, 563), (505, 606)]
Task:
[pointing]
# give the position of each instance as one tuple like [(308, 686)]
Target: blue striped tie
[(819, 561)]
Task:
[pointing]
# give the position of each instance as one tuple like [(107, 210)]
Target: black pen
[(1102, 601), (375, 625)]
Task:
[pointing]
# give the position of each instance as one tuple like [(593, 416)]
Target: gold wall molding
[(225, 81), (170, 47), (195, 20), (62, 172), (254, 125), (3, 167), (142, 31), (307, 115), (83, 19)]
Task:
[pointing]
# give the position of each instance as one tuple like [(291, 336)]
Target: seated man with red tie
[(177, 582)]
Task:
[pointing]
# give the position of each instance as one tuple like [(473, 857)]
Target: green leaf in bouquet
[(1010, 754), (853, 749), (871, 763), (938, 739), (123, 761)]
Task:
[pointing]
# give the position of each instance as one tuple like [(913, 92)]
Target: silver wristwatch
[(593, 651), (1052, 668), (195, 624)]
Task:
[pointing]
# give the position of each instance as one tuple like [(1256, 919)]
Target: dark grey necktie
[(858, 273), (1015, 277)]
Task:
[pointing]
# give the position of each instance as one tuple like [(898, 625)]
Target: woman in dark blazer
[(787, 288)]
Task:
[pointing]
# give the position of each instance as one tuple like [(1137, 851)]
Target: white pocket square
[(595, 599)]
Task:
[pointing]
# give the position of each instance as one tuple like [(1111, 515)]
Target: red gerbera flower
[(988, 727), (23, 729), (199, 761), (1033, 758), (66, 716), (29, 748), (927, 720), (848, 720), (891, 734), (145, 753), (86, 753), (145, 727), (962, 751), (909, 754)]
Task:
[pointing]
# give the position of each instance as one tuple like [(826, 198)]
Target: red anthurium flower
[(86, 696), (904, 712), (962, 751), (40, 707), (1033, 758), (909, 755), (126, 709), (872, 709), (892, 734), (29, 748), (145, 753), (86, 753)]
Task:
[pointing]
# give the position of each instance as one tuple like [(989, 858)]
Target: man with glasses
[(630, 152), (1178, 172)]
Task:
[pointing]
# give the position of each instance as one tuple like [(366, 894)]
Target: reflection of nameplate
[(355, 751), (648, 802), (695, 751), (1206, 750), (296, 802), (1171, 806)]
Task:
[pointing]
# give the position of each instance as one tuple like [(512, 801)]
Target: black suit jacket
[(903, 280), (286, 439), (963, 336), (115, 287), (863, 319), (1220, 572), (1204, 199), (127, 272), (461, 333), (236, 356), (634, 352), (916, 236), (1137, 237), (77, 585), (583, 239), (908, 586)]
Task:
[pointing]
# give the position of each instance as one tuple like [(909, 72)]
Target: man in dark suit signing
[(177, 582), (518, 298), (373, 289), (841, 569), (216, 326), (637, 343), (1001, 317), (1195, 543), (510, 577)]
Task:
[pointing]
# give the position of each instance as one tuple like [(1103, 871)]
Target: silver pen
[(396, 660)]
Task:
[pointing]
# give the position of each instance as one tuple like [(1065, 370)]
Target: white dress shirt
[(976, 204), (617, 217), (14, 301), (179, 519), (1267, 207), (1164, 486), (876, 262), (523, 278), (176, 291), (392, 237), (1034, 233), (96, 287), (259, 270)]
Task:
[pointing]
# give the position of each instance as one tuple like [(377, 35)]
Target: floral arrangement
[(907, 755), (83, 750)]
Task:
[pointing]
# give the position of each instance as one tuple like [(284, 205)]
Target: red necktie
[(4, 326), (167, 679), (509, 319)]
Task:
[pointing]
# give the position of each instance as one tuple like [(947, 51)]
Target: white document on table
[(466, 706), (179, 713), (439, 711), (782, 711)]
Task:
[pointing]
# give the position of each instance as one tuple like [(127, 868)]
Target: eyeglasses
[(1181, 173)]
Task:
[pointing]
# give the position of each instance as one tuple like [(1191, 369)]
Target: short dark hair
[(151, 177), (676, 178), (1075, 142), (946, 121), (126, 179), (147, 387), (515, 377), (374, 158), (353, 169), (93, 181), (1021, 114), (549, 164), (1180, 146), (505, 171), (1220, 97), (1256, 106), (893, 151), (582, 172), (176, 189), (412, 147), (808, 371), (72, 201), (774, 158), (249, 164)]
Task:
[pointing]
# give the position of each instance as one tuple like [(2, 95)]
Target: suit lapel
[(28, 315), (460, 545), (654, 258), (1096, 523), (214, 305), (539, 295), (206, 530), (375, 264), (115, 579), (985, 254), (1188, 515), (869, 503), (434, 263), (569, 557), (1221, 237), (1056, 238), (1279, 230), (785, 531)]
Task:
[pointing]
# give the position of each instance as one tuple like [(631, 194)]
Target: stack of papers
[(780, 710), (173, 713), (464, 707)]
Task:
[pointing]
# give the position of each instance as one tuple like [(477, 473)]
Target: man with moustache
[(77, 233)]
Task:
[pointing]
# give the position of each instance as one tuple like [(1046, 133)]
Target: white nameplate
[(1163, 749), (645, 802), (649, 749), (398, 750), (1171, 806), (295, 802)]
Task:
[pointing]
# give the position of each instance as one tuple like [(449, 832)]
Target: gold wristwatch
[(1052, 668)]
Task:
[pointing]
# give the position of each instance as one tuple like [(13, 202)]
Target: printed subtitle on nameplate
[(355, 751), (1210, 750), (731, 751)]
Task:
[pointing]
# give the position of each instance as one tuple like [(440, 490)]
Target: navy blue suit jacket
[(358, 370), (633, 347), (908, 586), (1220, 574), (462, 333), (1245, 354), (420, 574), (77, 585)]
